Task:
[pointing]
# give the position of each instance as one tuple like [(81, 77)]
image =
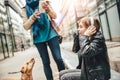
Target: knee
[(70, 76), (64, 77)]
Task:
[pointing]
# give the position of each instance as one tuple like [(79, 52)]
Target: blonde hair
[(87, 22)]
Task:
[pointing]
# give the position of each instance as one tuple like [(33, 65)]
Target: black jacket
[(93, 58)]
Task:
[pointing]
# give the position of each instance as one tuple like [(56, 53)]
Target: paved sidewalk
[(14, 64), (71, 59)]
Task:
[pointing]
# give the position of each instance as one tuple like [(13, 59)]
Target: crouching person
[(93, 55)]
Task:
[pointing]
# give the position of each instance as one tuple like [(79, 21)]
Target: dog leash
[(13, 72)]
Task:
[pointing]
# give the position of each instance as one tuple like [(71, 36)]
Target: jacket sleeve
[(27, 23), (90, 48), (80, 61)]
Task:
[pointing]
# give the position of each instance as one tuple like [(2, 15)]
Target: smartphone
[(92, 22), (40, 7)]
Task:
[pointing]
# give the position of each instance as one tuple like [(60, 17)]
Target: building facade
[(107, 11), (12, 33), (4, 32)]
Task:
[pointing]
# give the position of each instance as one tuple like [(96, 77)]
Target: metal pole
[(118, 7), (99, 16), (6, 45), (107, 21), (10, 26)]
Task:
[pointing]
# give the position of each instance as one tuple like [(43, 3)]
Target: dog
[(26, 71)]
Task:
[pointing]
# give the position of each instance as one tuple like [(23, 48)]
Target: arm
[(51, 13), (90, 48), (27, 23)]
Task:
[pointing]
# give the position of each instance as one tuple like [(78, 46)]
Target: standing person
[(43, 33), (93, 55), (22, 46)]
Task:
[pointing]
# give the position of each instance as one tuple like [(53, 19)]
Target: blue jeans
[(55, 49)]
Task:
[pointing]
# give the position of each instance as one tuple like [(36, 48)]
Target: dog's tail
[(13, 72)]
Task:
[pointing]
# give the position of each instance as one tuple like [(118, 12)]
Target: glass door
[(2, 56), (4, 46), (105, 26)]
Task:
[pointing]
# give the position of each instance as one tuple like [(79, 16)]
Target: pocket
[(96, 73)]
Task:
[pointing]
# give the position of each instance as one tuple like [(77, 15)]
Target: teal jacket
[(45, 34), (42, 29)]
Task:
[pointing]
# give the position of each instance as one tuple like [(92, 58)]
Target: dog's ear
[(23, 69)]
